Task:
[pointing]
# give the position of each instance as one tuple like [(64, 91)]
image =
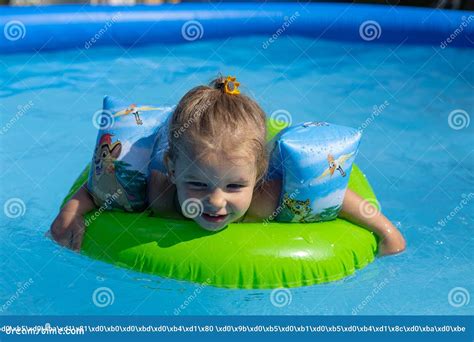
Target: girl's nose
[(217, 199)]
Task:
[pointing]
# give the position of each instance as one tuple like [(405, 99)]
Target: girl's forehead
[(215, 165)]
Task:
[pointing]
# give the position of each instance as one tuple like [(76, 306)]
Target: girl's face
[(219, 187)]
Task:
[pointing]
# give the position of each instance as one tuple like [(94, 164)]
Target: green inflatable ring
[(244, 255)]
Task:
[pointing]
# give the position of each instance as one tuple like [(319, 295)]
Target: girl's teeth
[(214, 215)]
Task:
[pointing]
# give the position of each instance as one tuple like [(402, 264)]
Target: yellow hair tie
[(231, 86)]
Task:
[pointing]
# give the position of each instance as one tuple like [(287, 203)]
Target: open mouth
[(214, 217)]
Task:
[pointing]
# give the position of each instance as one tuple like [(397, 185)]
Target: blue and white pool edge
[(49, 28)]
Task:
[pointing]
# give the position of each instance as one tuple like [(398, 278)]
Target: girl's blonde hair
[(207, 118)]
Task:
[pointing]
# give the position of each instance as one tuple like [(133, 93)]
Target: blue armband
[(120, 165), (314, 161)]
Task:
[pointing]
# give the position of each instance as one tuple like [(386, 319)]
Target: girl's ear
[(170, 167)]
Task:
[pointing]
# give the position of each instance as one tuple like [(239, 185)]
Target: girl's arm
[(363, 213), (68, 227)]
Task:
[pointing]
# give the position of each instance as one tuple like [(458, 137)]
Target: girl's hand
[(68, 229)]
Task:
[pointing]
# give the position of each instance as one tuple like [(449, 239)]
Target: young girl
[(217, 160)]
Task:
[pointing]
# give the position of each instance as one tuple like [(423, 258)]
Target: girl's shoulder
[(161, 193), (265, 201)]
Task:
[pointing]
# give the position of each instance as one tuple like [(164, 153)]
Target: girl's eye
[(235, 186), (197, 184)]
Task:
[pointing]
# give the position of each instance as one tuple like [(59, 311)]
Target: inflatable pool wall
[(32, 29)]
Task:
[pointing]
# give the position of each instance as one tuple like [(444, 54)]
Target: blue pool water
[(419, 162)]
